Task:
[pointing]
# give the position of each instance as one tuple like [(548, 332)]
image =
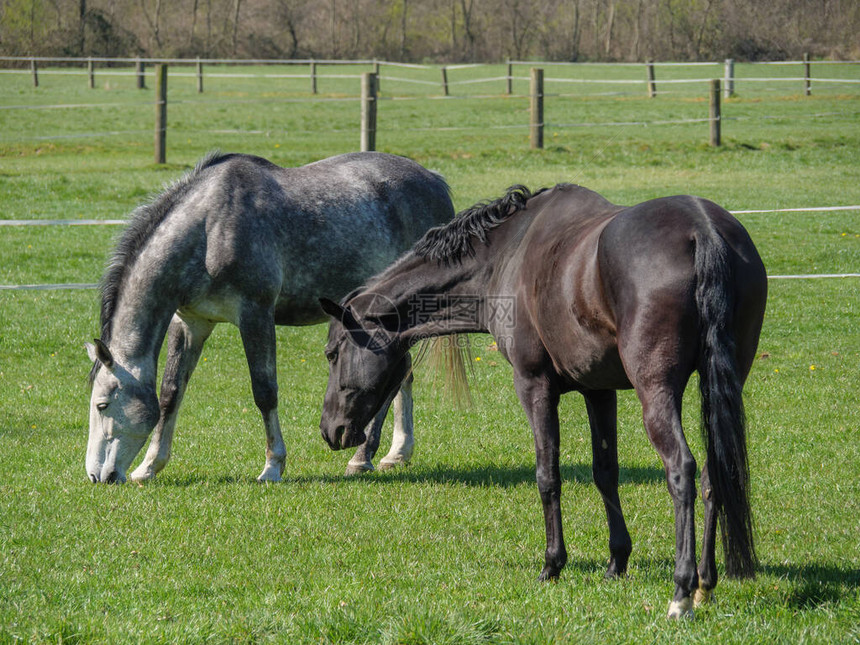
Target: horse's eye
[(102, 406), (331, 355)]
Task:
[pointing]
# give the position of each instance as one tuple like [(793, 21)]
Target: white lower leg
[(276, 451), (403, 441), (157, 454), (703, 597), (681, 608)]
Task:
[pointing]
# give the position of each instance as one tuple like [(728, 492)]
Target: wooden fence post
[(91, 73), (652, 86), (141, 79), (729, 90), (199, 76), (314, 77), (807, 75), (161, 113), (368, 112), (34, 68), (714, 117), (510, 78), (444, 81), (536, 108)]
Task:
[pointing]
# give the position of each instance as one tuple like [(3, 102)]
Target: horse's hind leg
[(602, 409), (708, 563), (185, 339), (257, 327), (661, 405), (403, 441)]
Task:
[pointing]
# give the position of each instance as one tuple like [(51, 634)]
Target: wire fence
[(434, 83), (120, 222)]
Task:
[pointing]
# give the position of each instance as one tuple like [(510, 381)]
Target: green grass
[(447, 550)]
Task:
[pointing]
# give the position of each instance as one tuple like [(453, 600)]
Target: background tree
[(434, 30)]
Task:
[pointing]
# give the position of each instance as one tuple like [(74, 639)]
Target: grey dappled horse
[(583, 295), (241, 240)]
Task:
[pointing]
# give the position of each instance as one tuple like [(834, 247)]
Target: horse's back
[(319, 230), (655, 243)]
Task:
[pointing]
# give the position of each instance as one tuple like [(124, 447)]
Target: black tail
[(723, 419)]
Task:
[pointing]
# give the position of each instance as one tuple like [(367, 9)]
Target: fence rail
[(121, 222), (537, 94), (34, 65)]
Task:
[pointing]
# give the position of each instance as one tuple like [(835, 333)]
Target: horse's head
[(123, 411), (367, 364)]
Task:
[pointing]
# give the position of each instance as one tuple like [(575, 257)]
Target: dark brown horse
[(583, 295)]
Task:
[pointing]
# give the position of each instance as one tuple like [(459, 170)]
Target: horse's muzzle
[(104, 477), (342, 437)]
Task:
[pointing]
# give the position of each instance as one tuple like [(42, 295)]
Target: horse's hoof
[(679, 609), (142, 474), (388, 463), (358, 469), (703, 597), (269, 475)]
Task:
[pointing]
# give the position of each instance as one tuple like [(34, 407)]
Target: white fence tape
[(93, 222)]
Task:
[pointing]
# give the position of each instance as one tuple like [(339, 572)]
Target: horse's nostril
[(112, 478), (93, 479)]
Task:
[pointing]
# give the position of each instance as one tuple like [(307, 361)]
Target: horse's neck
[(435, 299), (143, 313)]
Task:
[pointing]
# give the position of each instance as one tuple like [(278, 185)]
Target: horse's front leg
[(540, 401), (257, 328), (403, 440), (362, 460), (602, 409), (185, 339)]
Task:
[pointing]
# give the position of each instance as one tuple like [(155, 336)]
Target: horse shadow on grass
[(510, 476), (813, 585), (480, 476)]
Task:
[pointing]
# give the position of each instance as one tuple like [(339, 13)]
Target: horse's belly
[(592, 370), (215, 309)]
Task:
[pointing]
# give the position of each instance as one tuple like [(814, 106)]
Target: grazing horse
[(241, 240), (584, 295)]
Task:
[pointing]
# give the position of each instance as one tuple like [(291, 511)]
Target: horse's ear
[(100, 352), (332, 308)]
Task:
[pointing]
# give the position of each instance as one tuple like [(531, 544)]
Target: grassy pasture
[(447, 550)]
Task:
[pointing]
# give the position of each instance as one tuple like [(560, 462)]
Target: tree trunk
[(236, 8), (610, 23), (467, 27), (193, 24), (403, 31), (575, 35), (82, 27), (637, 26)]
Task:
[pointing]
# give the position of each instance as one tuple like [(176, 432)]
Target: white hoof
[(703, 597), (270, 474), (142, 473), (680, 609), (388, 462), (358, 468)]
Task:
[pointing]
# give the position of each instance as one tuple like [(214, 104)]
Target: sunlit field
[(448, 549)]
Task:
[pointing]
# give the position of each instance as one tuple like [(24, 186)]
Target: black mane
[(449, 243), (143, 221)]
